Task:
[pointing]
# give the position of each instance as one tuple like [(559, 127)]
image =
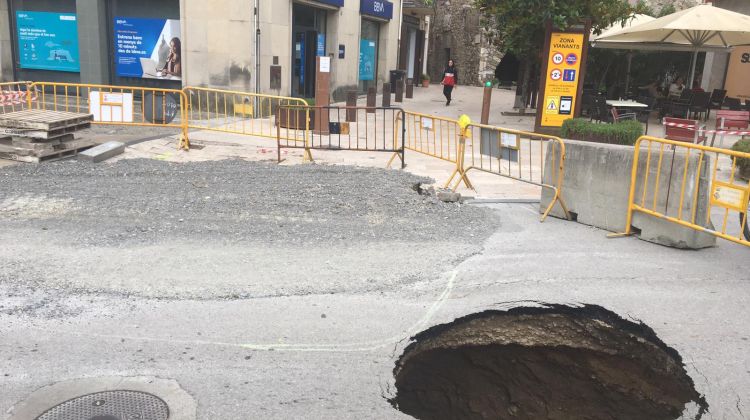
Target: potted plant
[(743, 164), (425, 80), (293, 117)]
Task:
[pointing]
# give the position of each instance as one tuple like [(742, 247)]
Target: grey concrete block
[(103, 152), (448, 196), (597, 185)]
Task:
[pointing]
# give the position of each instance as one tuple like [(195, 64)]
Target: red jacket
[(450, 76)]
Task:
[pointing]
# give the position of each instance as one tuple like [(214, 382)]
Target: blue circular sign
[(571, 59)]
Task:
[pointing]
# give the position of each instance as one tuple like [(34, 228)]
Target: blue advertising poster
[(148, 48), (367, 59), (301, 48), (48, 41), (321, 47)]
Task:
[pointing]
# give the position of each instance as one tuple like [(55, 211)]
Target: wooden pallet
[(43, 120), (44, 134), (35, 144), (45, 152)]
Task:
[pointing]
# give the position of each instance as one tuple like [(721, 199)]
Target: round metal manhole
[(110, 405)]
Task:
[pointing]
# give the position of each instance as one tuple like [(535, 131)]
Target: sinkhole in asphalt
[(543, 362)]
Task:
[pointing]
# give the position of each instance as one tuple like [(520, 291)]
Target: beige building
[(248, 45), (729, 71)]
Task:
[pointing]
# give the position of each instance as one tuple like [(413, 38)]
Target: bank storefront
[(123, 42), (309, 38), (375, 13), (232, 44)]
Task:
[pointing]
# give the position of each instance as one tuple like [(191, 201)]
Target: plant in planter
[(293, 117), (624, 132), (743, 164), (425, 80)]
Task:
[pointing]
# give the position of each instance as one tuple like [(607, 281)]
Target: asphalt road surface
[(289, 292)]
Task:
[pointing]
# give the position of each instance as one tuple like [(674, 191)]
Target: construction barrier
[(433, 136), (373, 129), (116, 105), (237, 112), (504, 152), (494, 150), (709, 187), (518, 155), (14, 96)]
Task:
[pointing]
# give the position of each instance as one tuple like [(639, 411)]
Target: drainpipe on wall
[(185, 42), (257, 46), (426, 44), (400, 29)]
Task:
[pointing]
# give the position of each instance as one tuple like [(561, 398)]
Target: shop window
[(45, 40), (145, 43), (369, 46)]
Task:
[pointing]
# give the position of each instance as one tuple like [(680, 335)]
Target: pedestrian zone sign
[(563, 78)]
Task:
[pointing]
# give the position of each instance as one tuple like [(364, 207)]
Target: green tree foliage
[(518, 25)]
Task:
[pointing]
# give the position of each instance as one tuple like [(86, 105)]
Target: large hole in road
[(550, 362)]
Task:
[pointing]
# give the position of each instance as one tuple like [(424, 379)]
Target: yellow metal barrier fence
[(432, 136), (717, 189), (241, 112), (14, 96), (117, 105), (532, 158), (508, 153)]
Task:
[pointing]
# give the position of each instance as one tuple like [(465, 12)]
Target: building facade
[(415, 39), (268, 46)]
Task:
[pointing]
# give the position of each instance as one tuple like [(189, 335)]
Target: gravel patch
[(227, 229)]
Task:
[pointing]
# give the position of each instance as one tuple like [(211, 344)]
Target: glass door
[(368, 54), (308, 39)]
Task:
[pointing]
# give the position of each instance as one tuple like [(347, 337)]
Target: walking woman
[(450, 80)]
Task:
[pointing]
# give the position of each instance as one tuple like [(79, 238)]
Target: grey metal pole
[(692, 70), (627, 74)]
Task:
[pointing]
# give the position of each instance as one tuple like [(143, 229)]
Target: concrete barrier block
[(448, 196), (103, 152), (597, 185)]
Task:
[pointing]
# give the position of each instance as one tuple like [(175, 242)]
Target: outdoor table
[(625, 104)]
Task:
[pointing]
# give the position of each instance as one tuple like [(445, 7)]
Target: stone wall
[(678, 4), (739, 6), (457, 27)]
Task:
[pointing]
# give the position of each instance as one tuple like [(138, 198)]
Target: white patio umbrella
[(700, 28), (619, 27)]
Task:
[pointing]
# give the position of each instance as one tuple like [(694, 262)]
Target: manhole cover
[(110, 405)]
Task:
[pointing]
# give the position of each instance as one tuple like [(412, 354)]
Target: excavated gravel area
[(228, 229)]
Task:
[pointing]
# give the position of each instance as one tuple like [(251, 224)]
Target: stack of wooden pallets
[(36, 135)]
